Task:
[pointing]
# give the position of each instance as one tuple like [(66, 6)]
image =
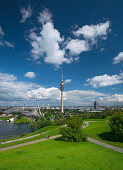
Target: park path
[(28, 143), (53, 137), (24, 138)]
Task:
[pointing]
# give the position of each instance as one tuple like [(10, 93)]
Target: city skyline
[(39, 39)]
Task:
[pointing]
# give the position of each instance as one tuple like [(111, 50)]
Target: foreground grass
[(100, 130), (57, 154)]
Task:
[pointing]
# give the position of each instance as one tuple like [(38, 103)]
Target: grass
[(22, 120), (6, 118), (44, 129), (53, 132), (59, 155), (100, 130)]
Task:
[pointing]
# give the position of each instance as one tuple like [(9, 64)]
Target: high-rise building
[(96, 105), (62, 89)]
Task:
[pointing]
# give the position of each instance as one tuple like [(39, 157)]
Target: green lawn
[(100, 130), (22, 120), (6, 118), (60, 155)]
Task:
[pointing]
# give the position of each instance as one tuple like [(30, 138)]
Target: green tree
[(33, 125), (116, 124), (73, 131)]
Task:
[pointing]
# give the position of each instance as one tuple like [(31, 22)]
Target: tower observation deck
[(62, 89)]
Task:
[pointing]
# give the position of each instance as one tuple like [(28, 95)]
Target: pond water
[(11, 130)]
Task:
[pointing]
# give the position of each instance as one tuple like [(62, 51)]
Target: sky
[(40, 38)]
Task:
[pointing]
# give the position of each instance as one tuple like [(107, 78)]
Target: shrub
[(116, 124), (73, 131)]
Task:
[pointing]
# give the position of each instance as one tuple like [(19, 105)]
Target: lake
[(11, 130)]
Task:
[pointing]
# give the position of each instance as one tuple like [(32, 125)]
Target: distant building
[(96, 105)]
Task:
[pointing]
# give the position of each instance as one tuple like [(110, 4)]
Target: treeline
[(94, 115), (48, 119)]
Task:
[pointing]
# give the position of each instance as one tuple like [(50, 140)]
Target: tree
[(73, 131), (33, 125), (116, 125)]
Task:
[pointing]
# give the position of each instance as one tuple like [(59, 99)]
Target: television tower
[(62, 89)]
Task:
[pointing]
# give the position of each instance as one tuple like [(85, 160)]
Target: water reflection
[(11, 130)]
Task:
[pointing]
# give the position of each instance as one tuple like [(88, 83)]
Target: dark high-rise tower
[(62, 89), (96, 105)]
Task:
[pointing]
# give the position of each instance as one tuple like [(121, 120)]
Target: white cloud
[(26, 13), (13, 91), (8, 44), (105, 80), (87, 36), (1, 31), (30, 75), (3, 42), (67, 81), (91, 32), (45, 16), (77, 46), (113, 99), (118, 58), (48, 43)]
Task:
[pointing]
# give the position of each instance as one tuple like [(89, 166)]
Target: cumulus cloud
[(77, 46), (48, 43), (4, 42), (67, 81), (45, 16), (92, 32), (30, 75), (87, 36), (105, 80), (26, 13), (113, 99), (118, 58), (14, 91)]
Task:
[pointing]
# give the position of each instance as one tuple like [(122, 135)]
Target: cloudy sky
[(40, 38)]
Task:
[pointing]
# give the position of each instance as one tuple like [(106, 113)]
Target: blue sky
[(38, 39)]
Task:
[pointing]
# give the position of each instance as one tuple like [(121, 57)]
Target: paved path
[(105, 145), (24, 138), (28, 143)]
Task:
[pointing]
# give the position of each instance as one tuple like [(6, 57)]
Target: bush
[(116, 124), (73, 131)]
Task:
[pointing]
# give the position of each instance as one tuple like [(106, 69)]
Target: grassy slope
[(53, 132), (56, 154), (47, 128), (100, 130)]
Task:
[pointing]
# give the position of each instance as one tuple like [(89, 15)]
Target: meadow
[(100, 130), (57, 154)]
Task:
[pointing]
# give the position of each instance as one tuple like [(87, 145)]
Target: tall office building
[(62, 89), (96, 105)]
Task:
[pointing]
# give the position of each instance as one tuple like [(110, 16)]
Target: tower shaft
[(62, 110), (62, 89)]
